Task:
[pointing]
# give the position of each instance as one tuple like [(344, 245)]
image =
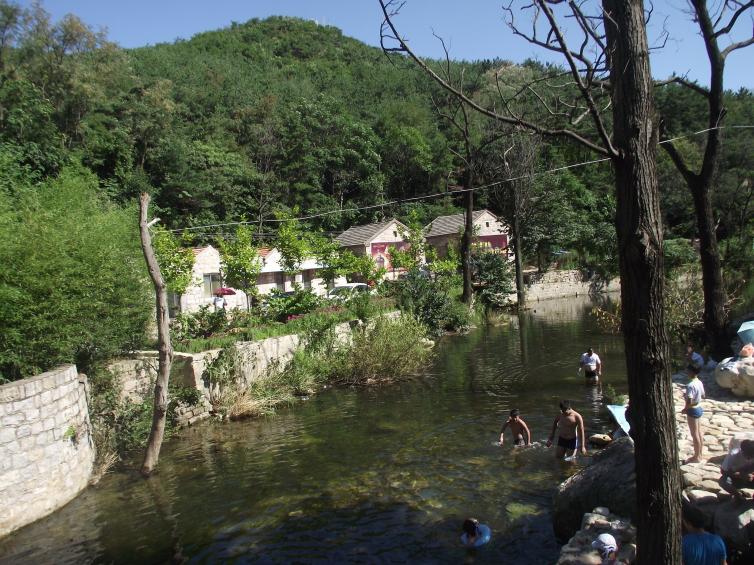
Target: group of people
[(569, 426)]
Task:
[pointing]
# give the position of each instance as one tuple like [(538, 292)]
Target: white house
[(207, 278), (489, 232), (374, 240)]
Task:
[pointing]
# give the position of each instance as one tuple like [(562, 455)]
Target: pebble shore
[(724, 416)]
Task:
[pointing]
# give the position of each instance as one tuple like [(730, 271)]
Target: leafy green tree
[(241, 263), (175, 259), (80, 293), (493, 275), (293, 244)]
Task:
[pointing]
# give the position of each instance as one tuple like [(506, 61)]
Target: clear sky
[(474, 29)]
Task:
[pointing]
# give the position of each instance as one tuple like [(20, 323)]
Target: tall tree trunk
[(701, 185), (639, 229), (712, 273), (518, 261), (468, 234), (164, 347)]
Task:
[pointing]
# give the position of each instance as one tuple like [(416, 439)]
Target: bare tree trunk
[(639, 228), (165, 348), (700, 186), (518, 261), (712, 273), (468, 234)]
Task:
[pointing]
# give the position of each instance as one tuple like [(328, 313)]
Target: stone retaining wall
[(559, 284), (46, 451)]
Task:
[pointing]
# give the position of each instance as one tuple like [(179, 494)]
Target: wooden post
[(165, 348)]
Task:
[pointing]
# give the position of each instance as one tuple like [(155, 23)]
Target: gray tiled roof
[(446, 225), (361, 235)]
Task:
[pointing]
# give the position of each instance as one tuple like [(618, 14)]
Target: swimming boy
[(519, 430), (693, 410), (566, 424)]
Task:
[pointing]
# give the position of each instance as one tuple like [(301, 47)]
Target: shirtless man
[(519, 430), (566, 423)]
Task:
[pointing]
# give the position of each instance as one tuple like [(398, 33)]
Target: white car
[(344, 291)]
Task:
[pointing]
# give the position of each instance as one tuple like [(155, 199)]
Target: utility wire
[(447, 192)]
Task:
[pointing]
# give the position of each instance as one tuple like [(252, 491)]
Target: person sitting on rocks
[(694, 358), (607, 547), (693, 397), (738, 470), (699, 547), (519, 430)]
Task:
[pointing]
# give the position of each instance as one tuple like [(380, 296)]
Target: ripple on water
[(373, 476)]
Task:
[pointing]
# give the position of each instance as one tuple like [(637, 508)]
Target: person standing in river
[(519, 430), (591, 364), (566, 424)]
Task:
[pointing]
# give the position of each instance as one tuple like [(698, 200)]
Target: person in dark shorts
[(519, 430), (591, 363), (567, 424), (693, 396)]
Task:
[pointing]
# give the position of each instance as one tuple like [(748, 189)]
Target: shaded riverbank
[(388, 472)]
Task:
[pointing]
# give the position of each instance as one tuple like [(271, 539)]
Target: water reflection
[(379, 475)]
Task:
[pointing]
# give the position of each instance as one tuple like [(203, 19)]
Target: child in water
[(475, 534), (519, 430)]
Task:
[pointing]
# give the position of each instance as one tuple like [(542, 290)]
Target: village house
[(207, 279), (490, 233), (374, 240)]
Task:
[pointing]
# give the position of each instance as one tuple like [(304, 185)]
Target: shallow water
[(376, 475)]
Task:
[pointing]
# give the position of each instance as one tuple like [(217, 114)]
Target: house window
[(487, 224), (211, 284), (395, 234)]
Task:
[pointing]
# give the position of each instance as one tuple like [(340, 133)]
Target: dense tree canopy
[(267, 117)]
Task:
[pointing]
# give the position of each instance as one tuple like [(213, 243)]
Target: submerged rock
[(609, 481)]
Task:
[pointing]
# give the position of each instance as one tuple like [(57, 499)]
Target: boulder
[(734, 522), (738, 376), (609, 481), (600, 440)]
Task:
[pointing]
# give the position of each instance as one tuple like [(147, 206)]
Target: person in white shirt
[(591, 364), (693, 410)]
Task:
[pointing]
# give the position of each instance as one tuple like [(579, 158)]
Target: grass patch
[(383, 350), (296, 325)]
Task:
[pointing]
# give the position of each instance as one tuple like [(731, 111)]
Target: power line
[(447, 192)]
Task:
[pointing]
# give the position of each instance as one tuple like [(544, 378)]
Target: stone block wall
[(46, 451), (559, 284)]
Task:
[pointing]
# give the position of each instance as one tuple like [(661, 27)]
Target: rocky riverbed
[(725, 416)]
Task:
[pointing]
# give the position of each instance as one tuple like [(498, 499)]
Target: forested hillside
[(286, 116)]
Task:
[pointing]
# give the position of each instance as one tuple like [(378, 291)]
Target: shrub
[(73, 287), (383, 350), (428, 300), (282, 306), (119, 425), (204, 323)]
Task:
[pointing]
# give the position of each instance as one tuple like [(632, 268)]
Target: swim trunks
[(520, 441), (590, 374), (567, 443), (695, 411)]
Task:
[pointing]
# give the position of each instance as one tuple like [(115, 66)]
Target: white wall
[(496, 227)]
